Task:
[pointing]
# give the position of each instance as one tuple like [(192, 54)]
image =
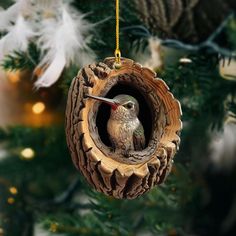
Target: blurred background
[(190, 44)]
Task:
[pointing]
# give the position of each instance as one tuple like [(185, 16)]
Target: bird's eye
[(129, 105)]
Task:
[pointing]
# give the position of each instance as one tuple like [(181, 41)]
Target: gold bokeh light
[(28, 153), (13, 76), (13, 190), (10, 200), (38, 108)]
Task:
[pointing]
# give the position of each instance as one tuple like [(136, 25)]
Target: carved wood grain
[(112, 173)]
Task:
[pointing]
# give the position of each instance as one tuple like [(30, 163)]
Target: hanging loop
[(117, 63)]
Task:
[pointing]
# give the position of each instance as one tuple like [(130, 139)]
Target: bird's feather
[(139, 138)]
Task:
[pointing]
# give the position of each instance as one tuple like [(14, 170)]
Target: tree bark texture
[(109, 172)]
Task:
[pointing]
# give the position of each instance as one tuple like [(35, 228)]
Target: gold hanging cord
[(117, 51)]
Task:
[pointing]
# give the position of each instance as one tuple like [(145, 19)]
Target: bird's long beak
[(113, 103)]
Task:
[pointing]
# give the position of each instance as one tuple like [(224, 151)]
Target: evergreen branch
[(22, 60), (140, 31), (195, 48), (68, 194)]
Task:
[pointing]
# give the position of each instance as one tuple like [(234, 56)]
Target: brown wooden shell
[(112, 173)]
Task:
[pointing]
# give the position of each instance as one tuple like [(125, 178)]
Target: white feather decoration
[(63, 43), (53, 72), (17, 38), (10, 15), (6, 16), (59, 31)]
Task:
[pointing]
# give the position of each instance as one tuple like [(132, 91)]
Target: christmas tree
[(43, 44)]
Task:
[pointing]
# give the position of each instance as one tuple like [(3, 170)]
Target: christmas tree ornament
[(122, 125), (227, 68)]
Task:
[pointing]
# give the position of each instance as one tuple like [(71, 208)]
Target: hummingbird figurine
[(125, 130)]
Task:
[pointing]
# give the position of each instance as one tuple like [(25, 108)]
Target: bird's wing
[(139, 138)]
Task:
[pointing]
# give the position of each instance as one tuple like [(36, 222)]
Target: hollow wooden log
[(112, 173)]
